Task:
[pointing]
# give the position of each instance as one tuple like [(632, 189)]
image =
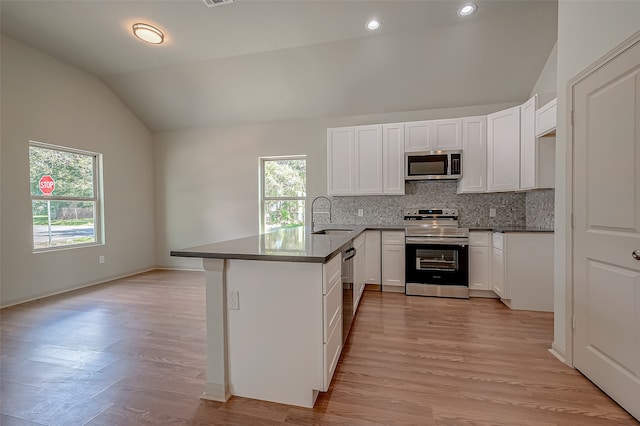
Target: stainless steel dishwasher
[(347, 290)]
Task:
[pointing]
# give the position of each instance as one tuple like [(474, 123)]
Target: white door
[(474, 155), (606, 205), (446, 134)]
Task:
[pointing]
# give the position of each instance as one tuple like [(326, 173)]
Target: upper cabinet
[(368, 160), (340, 161), (365, 160), (433, 135), (393, 159), (528, 143), (546, 118), (474, 155), (503, 150)]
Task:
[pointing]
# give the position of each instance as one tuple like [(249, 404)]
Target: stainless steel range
[(437, 253)]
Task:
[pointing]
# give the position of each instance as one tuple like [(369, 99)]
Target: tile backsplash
[(512, 208)]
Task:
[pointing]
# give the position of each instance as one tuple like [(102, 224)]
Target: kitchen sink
[(332, 231)]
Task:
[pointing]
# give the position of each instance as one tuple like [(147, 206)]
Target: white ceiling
[(265, 60)]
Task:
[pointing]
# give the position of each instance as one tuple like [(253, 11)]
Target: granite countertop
[(302, 245), (284, 245), (509, 229)]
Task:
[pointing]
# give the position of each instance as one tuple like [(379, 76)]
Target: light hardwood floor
[(131, 352)]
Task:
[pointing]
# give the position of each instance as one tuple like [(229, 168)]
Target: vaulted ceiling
[(267, 60)]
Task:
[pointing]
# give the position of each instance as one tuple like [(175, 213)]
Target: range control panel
[(430, 213)]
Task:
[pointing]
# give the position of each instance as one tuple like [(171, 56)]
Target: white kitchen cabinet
[(372, 255), (359, 270), (368, 160), (365, 160), (433, 135), (393, 261), (340, 161), (474, 155), (393, 159), (546, 117), (480, 243), (503, 150), (528, 143), (523, 270), (537, 155)]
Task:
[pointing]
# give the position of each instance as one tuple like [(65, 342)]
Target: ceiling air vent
[(212, 3)]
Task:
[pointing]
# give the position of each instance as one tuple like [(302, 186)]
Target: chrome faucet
[(312, 203)]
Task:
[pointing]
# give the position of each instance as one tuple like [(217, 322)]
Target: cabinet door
[(393, 267), (474, 155), (372, 256), (546, 118), (503, 150), (359, 269), (498, 273), (417, 136), (368, 160), (528, 143), (393, 158), (479, 264), (340, 160), (446, 134)]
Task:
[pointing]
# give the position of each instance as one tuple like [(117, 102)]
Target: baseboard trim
[(106, 280), (556, 351)]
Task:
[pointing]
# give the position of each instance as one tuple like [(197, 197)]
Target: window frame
[(97, 199), (264, 198)]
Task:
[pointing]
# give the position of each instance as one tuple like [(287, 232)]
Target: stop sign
[(47, 184)]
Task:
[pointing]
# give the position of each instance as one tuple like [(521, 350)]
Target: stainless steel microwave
[(425, 165)]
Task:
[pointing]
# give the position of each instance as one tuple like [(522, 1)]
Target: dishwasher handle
[(348, 254)]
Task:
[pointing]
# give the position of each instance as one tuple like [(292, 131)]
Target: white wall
[(587, 30), (46, 100), (207, 179), (547, 85)]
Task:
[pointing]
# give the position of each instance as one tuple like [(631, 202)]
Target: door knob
[(636, 254)]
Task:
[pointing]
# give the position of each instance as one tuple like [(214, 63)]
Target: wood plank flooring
[(132, 352)]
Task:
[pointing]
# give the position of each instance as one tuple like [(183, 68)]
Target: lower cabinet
[(373, 267), (393, 261), (523, 270), (332, 318), (480, 243), (359, 270)]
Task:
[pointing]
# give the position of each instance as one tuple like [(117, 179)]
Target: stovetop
[(426, 222)]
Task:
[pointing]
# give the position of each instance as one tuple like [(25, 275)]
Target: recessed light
[(467, 9), (148, 33), (373, 24)]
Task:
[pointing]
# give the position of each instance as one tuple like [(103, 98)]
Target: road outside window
[(283, 192), (65, 197)]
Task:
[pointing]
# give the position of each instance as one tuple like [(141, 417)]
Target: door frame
[(569, 221)]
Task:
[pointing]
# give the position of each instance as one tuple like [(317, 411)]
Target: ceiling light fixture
[(148, 33), (467, 9), (373, 24)]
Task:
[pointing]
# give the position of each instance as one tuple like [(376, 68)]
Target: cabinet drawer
[(498, 240), (331, 355), (332, 306), (479, 239), (331, 273), (393, 237)]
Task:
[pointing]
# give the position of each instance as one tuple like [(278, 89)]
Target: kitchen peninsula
[(274, 314)]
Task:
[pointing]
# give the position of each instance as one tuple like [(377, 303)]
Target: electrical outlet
[(492, 212), (233, 302), (100, 259), (360, 212)]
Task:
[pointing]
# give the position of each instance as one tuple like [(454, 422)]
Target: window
[(283, 192), (65, 197)]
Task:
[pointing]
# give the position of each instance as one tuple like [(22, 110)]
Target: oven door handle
[(437, 241)]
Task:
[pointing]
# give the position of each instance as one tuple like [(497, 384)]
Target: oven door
[(439, 263)]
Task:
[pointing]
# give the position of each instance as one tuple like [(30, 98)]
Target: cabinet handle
[(636, 254)]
